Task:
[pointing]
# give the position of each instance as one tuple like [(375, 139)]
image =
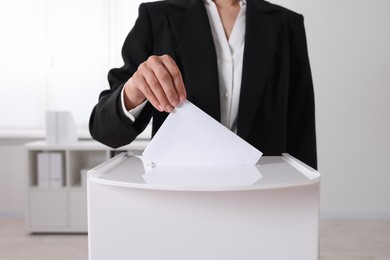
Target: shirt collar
[(242, 2)]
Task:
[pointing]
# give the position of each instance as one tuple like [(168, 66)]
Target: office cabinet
[(48, 208), (61, 205)]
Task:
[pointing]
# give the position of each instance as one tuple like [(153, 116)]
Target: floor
[(355, 240), (339, 240)]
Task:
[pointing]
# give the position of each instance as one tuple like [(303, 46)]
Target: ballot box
[(140, 211)]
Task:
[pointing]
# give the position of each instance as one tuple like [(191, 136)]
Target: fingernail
[(169, 109), (182, 99), (160, 108), (175, 103)]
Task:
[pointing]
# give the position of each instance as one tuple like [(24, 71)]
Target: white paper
[(190, 137), (223, 176)]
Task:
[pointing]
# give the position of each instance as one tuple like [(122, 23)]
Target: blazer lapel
[(260, 45), (197, 57)]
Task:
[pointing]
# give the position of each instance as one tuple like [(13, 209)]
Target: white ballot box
[(142, 212)]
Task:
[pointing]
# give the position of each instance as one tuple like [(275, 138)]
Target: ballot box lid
[(270, 172)]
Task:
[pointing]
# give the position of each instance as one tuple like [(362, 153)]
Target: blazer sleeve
[(108, 123), (301, 133)]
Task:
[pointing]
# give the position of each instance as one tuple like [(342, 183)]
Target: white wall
[(350, 57)]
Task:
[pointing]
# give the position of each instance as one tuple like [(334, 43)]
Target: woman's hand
[(159, 81)]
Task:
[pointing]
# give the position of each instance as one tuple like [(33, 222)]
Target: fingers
[(152, 88), (160, 81), (176, 77)]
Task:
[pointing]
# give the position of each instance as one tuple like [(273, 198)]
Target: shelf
[(80, 161), (85, 145), (78, 188), (37, 189)]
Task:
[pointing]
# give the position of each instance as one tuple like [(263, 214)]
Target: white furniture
[(63, 207), (138, 211)]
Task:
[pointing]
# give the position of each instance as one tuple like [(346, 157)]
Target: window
[(55, 55)]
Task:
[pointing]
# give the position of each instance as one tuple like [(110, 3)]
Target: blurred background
[(55, 55)]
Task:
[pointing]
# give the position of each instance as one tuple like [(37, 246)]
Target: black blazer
[(276, 109)]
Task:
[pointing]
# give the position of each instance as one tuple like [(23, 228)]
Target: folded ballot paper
[(190, 137)]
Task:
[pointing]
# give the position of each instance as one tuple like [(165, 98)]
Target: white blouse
[(230, 53)]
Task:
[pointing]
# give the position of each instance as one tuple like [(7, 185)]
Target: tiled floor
[(339, 240)]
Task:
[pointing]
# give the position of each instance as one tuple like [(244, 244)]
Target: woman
[(245, 63)]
